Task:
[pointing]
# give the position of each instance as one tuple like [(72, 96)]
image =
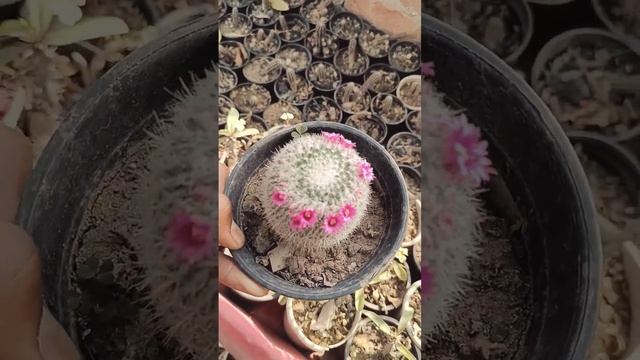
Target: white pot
[(405, 80), (294, 330), (416, 239), (406, 302), (388, 308), (364, 321)]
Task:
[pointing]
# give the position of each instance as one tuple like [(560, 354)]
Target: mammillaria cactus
[(456, 166), (315, 191), (175, 246)]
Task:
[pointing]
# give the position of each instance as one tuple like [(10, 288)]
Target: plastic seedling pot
[(542, 173), (92, 139), (394, 199)]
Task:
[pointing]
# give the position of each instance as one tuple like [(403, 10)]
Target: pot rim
[(403, 81), (342, 12), (405, 303), (398, 43), (368, 103), (384, 66), (306, 74), (385, 128), (409, 134), (244, 16), (235, 76), (358, 50), (391, 241), (294, 16), (242, 46), (306, 107), (299, 47), (256, 54)]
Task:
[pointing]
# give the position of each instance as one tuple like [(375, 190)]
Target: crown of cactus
[(457, 165), (315, 191), (177, 209)]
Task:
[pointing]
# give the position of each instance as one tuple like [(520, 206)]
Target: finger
[(229, 234), (223, 174), (231, 276), (55, 344), (15, 165), (20, 298)]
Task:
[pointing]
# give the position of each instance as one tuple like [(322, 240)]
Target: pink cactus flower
[(465, 153), (365, 171), (348, 212), (190, 237), (348, 144), (310, 216), (297, 223), (278, 198), (427, 281), (332, 224), (332, 137), (428, 69)]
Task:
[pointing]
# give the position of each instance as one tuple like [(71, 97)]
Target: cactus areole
[(314, 188)]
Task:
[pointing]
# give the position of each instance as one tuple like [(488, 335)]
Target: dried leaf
[(407, 314), (18, 28), (404, 351), (282, 300), (279, 5), (11, 53), (327, 313), (359, 299), (86, 29), (377, 320)]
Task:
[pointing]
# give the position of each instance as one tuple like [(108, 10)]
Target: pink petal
[(278, 198)]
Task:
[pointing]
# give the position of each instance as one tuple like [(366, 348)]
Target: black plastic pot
[(92, 139), (543, 174), (394, 198), (612, 156)]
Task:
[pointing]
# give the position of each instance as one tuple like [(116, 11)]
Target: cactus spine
[(315, 191), (175, 245), (457, 163)]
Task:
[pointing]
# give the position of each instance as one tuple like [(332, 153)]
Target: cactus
[(456, 167), (175, 246), (315, 191)]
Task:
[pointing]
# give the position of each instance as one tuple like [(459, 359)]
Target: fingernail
[(237, 235)]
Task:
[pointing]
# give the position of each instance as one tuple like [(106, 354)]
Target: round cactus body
[(456, 166), (176, 245), (315, 191)]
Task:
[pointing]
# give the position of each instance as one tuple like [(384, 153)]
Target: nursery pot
[(387, 319), (295, 333), (542, 172), (394, 199), (390, 308), (92, 139)]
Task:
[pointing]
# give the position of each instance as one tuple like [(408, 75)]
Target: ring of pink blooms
[(336, 138), (331, 224)]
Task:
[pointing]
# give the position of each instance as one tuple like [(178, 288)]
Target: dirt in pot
[(413, 185), (351, 61), (262, 14), (480, 325), (595, 88), (294, 57), (374, 42), (318, 11), (325, 322), (224, 105), (232, 54), (293, 88), (108, 312), (385, 79), (492, 22), (228, 80), (235, 25), (346, 26), (250, 98), (389, 108), (409, 92), (291, 27), (323, 44), (323, 76), (369, 342), (414, 122), (405, 56), (322, 108), (282, 113), (405, 148), (262, 42), (387, 289), (352, 98), (325, 269), (369, 124), (262, 70), (417, 254)]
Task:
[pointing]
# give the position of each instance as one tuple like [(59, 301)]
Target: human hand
[(27, 329), (230, 236)]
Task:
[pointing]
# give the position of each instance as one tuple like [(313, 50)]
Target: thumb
[(20, 299)]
